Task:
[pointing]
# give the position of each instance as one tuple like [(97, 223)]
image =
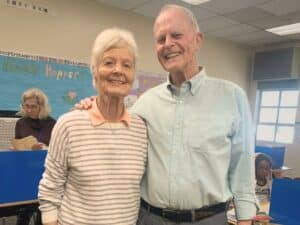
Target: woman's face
[(115, 73), (31, 108)]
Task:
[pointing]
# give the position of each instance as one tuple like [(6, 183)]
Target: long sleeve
[(241, 171), (51, 188), (17, 130)]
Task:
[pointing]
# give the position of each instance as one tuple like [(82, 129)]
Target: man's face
[(176, 41)]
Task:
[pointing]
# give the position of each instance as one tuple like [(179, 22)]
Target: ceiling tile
[(293, 17), (233, 30), (151, 8), (254, 36), (201, 13), (123, 4), (226, 6), (280, 7), (262, 41), (268, 41), (248, 14), (215, 23), (268, 22), (241, 21)]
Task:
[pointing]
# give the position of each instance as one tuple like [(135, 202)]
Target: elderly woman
[(97, 157), (36, 122)]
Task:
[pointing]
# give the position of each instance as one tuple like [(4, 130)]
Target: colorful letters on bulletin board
[(64, 82)]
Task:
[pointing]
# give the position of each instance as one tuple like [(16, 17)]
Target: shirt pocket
[(208, 134)]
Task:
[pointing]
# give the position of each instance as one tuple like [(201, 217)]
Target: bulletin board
[(64, 82)]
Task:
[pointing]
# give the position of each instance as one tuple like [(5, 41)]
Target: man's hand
[(244, 222), (85, 103)]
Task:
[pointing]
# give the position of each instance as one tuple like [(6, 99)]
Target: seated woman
[(97, 157), (37, 122), (263, 173)]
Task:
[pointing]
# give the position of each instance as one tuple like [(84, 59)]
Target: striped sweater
[(93, 173)]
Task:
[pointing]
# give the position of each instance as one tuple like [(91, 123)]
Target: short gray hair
[(109, 39), (185, 10), (41, 99)]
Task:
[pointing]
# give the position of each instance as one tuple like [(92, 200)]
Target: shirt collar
[(98, 119), (194, 82)]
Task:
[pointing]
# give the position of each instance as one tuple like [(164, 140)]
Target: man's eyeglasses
[(27, 106)]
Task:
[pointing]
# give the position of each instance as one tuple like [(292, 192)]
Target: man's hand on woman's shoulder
[(85, 103)]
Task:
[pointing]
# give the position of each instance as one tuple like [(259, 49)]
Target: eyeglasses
[(27, 106)]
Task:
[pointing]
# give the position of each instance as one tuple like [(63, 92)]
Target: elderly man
[(200, 152)]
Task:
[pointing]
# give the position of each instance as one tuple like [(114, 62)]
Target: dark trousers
[(148, 218), (25, 215)]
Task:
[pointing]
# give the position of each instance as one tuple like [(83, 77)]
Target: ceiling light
[(195, 2), (286, 30)]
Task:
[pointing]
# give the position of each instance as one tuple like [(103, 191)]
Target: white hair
[(186, 11), (109, 39)]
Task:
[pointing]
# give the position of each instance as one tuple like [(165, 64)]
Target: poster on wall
[(64, 82)]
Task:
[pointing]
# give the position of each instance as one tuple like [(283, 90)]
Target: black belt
[(181, 216)]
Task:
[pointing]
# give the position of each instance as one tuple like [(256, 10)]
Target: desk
[(20, 174)]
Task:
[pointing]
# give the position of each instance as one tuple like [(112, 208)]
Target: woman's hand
[(12, 148), (38, 146), (85, 103)]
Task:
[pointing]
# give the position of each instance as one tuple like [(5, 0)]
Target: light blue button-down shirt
[(200, 145)]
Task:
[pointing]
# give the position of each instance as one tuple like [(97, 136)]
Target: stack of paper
[(24, 143)]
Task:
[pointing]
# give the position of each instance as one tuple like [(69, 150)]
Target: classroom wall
[(69, 29), (226, 60), (72, 25)]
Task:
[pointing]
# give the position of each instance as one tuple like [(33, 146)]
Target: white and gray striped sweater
[(93, 173)]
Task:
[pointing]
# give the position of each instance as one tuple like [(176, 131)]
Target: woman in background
[(97, 157), (36, 122)]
